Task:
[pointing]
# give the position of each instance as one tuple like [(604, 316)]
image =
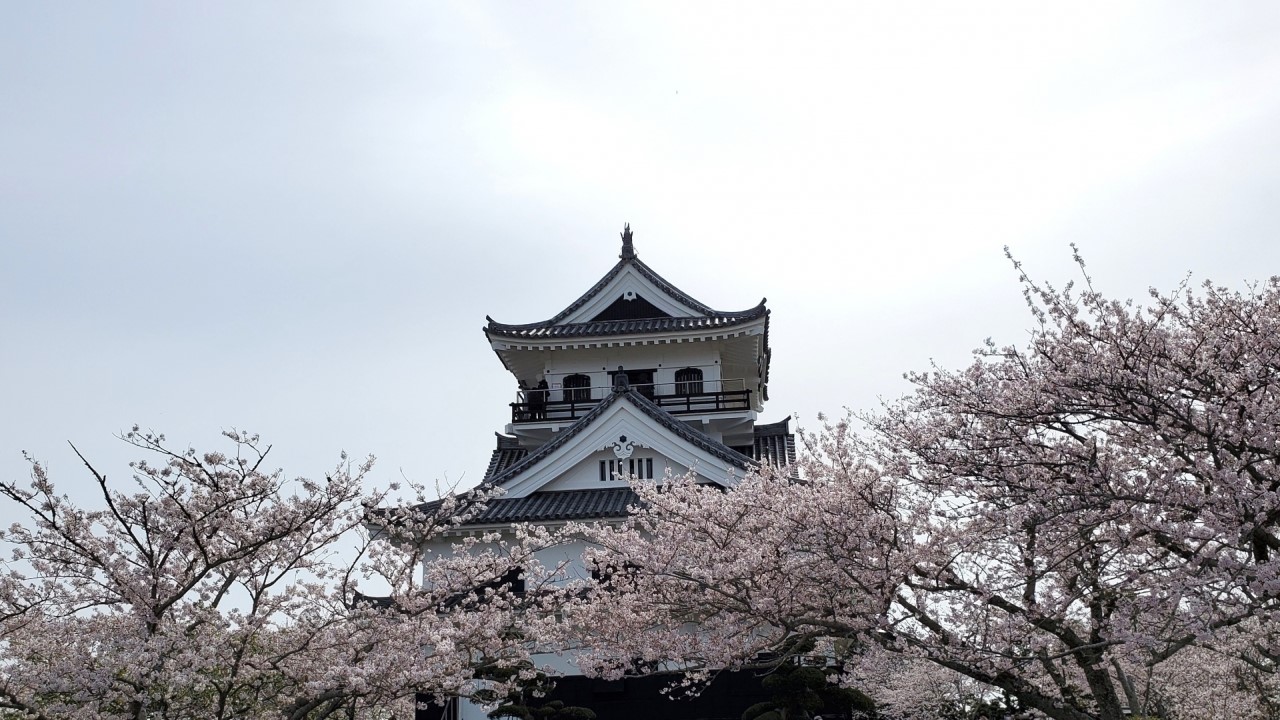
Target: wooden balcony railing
[(571, 404)]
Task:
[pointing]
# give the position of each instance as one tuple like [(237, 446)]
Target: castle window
[(689, 381), (641, 468), (577, 387), (512, 581)]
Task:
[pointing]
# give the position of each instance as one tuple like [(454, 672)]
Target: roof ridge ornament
[(628, 252)]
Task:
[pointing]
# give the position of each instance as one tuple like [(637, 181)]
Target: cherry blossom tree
[(219, 589), (1064, 524)]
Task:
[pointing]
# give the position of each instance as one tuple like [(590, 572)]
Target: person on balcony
[(538, 400)]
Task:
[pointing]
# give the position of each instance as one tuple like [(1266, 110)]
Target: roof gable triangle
[(629, 280), (624, 418), (633, 308), (631, 285)]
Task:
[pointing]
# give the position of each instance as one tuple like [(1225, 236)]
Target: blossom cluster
[(216, 590), (1084, 529)]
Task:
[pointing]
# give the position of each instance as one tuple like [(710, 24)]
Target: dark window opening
[(512, 580), (689, 381), (640, 380), (637, 308), (577, 388), (611, 575)]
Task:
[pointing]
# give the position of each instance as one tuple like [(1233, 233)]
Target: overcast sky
[(292, 218)]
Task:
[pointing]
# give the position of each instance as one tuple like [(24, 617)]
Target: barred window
[(641, 468), (577, 387), (689, 381)]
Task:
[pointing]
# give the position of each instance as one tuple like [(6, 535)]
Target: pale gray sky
[(293, 217)]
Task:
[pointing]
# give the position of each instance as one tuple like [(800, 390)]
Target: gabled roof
[(563, 324), (647, 407), (774, 444), (509, 461)]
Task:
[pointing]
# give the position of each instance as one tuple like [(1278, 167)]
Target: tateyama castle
[(633, 378)]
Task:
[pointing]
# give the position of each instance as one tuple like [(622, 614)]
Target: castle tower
[(635, 378)]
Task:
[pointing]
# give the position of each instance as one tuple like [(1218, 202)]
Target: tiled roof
[(626, 327), (610, 327), (550, 506), (706, 318), (563, 505), (507, 453), (682, 429), (556, 441), (775, 444), (666, 419)]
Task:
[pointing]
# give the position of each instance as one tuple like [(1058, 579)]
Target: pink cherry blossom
[(1077, 525), (217, 589)]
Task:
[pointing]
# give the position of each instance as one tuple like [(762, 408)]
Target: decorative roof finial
[(628, 251)]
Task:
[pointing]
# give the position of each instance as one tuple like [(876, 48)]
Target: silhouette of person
[(538, 400)]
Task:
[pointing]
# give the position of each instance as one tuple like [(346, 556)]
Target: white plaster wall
[(664, 359), (586, 474), (568, 559), (620, 419), (564, 559)]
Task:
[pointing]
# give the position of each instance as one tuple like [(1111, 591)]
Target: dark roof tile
[(775, 444), (563, 505), (507, 453), (626, 327), (555, 327)]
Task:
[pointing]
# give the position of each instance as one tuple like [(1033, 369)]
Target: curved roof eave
[(626, 327)]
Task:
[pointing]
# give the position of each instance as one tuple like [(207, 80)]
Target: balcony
[(679, 398)]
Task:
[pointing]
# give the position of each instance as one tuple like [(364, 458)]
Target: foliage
[(1058, 525), (215, 590), (800, 691), (1083, 528), (525, 696), (551, 710)]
